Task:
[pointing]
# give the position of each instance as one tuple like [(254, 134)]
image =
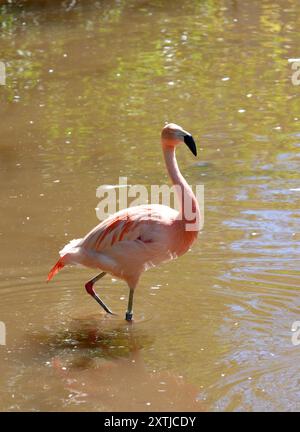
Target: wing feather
[(130, 224)]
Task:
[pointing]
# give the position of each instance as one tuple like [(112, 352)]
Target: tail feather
[(58, 266)]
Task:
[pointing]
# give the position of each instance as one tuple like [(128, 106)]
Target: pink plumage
[(138, 238)]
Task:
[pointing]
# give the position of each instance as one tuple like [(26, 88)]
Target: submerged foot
[(128, 316)]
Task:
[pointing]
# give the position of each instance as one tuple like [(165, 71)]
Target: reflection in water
[(88, 89), (101, 361), (118, 379)]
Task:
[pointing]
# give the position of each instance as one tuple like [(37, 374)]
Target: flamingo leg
[(90, 290), (129, 314)]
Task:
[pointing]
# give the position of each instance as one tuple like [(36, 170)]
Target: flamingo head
[(173, 135)]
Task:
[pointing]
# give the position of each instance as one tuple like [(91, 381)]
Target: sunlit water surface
[(89, 86)]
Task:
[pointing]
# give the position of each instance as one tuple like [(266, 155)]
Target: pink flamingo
[(137, 238)]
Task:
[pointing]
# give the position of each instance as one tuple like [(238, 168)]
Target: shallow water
[(89, 86)]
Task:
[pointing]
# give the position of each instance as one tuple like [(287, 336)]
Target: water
[(89, 86)]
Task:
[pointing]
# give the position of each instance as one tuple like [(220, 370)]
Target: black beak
[(189, 140)]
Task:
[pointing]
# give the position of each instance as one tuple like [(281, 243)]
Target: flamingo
[(135, 239)]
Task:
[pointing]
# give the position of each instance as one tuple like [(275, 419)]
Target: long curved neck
[(189, 211)]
